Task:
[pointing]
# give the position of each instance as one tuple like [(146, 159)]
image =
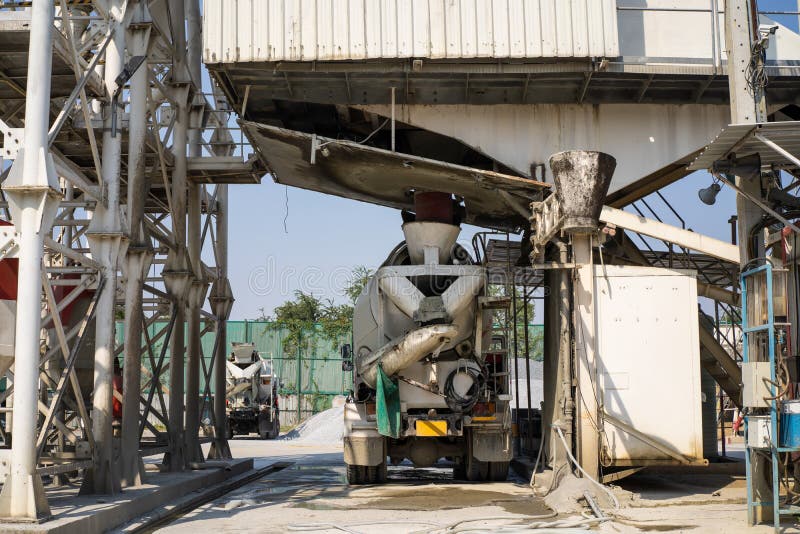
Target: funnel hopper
[(434, 235), (582, 179)]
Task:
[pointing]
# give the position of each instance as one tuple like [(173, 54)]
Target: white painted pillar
[(105, 235), (32, 191)]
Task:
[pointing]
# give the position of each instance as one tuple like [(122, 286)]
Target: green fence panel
[(320, 364)]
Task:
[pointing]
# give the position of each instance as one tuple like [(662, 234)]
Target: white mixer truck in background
[(251, 394), (427, 384)]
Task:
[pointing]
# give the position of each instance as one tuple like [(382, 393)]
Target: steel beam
[(671, 234)]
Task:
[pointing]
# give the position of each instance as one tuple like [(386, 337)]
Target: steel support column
[(747, 106), (221, 300), (177, 279), (105, 236), (558, 406), (199, 286), (586, 367), (177, 272), (32, 191), (139, 254)]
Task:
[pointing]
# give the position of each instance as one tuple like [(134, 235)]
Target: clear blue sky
[(327, 236)]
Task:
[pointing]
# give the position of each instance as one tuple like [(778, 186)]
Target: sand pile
[(324, 428)]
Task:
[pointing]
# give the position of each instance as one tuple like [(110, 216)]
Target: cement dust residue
[(567, 497), (430, 498)]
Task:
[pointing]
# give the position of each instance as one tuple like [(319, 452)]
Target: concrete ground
[(313, 493)]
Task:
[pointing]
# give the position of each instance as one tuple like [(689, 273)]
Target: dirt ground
[(312, 496)]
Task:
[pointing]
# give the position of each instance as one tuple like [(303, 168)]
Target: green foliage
[(358, 280), (301, 315), (535, 333)]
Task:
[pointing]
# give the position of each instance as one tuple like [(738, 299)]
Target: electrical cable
[(367, 138), (286, 213), (542, 526), (577, 465), (757, 78), (532, 482), (595, 425), (315, 527)]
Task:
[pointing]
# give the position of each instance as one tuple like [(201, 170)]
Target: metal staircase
[(720, 355)]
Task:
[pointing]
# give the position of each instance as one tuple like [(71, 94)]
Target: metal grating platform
[(743, 139)]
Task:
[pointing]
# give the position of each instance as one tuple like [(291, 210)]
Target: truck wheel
[(460, 470), (356, 474), (377, 474), (476, 470), (498, 471)]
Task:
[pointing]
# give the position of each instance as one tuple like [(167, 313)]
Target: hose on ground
[(576, 464), (316, 527)]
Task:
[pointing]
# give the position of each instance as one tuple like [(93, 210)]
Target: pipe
[(402, 293), (405, 350), (393, 119), (461, 293)]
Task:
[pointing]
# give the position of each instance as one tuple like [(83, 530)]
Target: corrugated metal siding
[(324, 30)]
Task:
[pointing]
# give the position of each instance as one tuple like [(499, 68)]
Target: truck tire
[(498, 471), (356, 474), (476, 470), (363, 474), (460, 470)]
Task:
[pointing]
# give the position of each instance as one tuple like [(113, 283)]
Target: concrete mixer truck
[(252, 393), (427, 384)]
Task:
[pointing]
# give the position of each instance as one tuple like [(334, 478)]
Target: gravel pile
[(536, 384), (324, 428)]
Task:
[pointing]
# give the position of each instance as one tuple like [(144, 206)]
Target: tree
[(535, 333), (302, 314), (357, 282)]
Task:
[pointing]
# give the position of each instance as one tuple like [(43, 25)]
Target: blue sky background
[(326, 236)]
